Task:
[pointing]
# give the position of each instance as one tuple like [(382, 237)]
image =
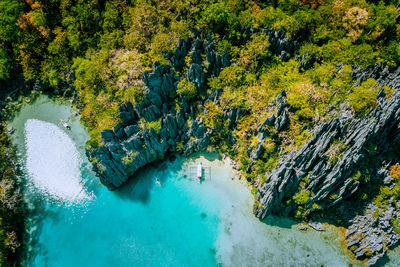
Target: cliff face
[(364, 142), (129, 146)]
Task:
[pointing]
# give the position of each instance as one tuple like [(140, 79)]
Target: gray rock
[(131, 130), (107, 136), (169, 123), (127, 113), (388, 180), (282, 121), (119, 131), (203, 142), (269, 121), (317, 226), (369, 236), (326, 179), (151, 113), (302, 227), (195, 74), (306, 62)]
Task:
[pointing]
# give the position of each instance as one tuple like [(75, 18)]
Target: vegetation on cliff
[(101, 49)]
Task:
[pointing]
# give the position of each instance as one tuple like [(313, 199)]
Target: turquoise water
[(76, 221)]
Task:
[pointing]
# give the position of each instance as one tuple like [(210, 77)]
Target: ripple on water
[(53, 162)]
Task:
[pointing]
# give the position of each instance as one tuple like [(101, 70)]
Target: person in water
[(158, 182), (65, 124)]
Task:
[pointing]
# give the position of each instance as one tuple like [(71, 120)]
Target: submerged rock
[(303, 228), (317, 226)]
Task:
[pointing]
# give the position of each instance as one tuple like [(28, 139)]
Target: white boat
[(199, 170)]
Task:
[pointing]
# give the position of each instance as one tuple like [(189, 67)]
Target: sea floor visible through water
[(75, 221)]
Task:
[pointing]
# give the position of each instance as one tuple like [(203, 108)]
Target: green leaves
[(363, 98), (255, 52), (186, 88), (5, 64), (9, 32), (10, 10), (216, 16)]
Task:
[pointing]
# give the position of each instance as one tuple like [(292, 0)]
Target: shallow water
[(181, 223)]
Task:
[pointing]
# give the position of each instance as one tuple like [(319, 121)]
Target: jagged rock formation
[(307, 62), (327, 177), (281, 45), (129, 146), (372, 234), (328, 162)]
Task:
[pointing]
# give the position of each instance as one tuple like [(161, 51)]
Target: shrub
[(395, 172), (376, 213), (186, 88), (354, 20), (396, 225), (363, 97), (302, 197), (356, 176), (269, 146), (256, 51), (213, 116), (180, 146), (156, 125), (130, 157), (335, 150), (216, 16)]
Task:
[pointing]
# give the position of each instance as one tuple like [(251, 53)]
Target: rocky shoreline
[(130, 146), (333, 182)]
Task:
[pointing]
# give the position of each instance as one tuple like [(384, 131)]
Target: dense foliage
[(11, 207)]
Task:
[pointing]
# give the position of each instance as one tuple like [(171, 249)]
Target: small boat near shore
[(199, 171)]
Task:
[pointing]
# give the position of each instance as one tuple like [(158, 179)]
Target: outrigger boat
[(65, 125), (199, 171)]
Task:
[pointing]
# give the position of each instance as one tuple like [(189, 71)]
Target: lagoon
[(75, 221)]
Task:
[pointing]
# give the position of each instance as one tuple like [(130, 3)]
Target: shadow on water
[(37, 214), (139, 186), (282, 222)]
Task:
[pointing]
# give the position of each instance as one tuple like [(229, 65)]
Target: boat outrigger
[(65, 125), (199, 170)]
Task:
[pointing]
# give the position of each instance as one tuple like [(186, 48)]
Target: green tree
[(186, 88), (9, 32), (363, 97)]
